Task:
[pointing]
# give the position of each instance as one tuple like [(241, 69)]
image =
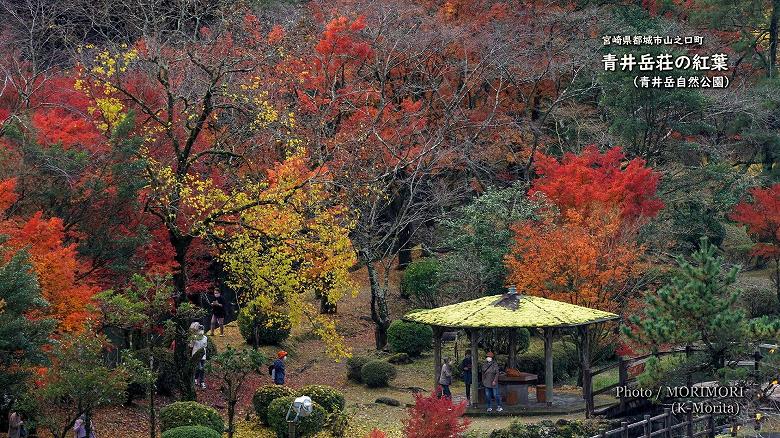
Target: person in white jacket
[(199, 342)]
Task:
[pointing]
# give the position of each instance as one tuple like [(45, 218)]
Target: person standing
[(465, 366), (490, 373), (80, 428), (278, 373), (15, 425), (199, 342), (218, 313), (445, 378)]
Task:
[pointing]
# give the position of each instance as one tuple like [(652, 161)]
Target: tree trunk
[(379, 312), (88, 423), (777, 281), (231, 416), (326, 307), (152, 413), (404, 247), (181, 356), (773, 30)]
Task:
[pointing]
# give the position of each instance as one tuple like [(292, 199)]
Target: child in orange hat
[(278, 373)]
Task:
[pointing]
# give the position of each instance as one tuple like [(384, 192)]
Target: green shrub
[(168, 376), (277, 414), (420, 282), (211, 348), (265, 395), (737, 246), (565, 360), (757, 297), (399, 359), (354, 367), (546, 428), (326, 396), (377, 373), (261, 328), (190, 413), (496, 340), (191, 432), (409, 337)]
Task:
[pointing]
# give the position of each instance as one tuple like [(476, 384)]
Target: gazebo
[(512, 310)]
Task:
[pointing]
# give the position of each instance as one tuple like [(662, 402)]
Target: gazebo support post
[(512, 347), (437, 333), (586, 379), (548, 365), (475, 376)]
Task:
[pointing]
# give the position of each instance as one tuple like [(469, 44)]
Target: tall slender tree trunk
[(379, 312), (404, 247), (181, 353), (777, 280), (773, 30)]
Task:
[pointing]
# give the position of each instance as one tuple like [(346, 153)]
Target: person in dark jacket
[(278, 373), (445, 378), (218, 313), (490, 373), (465, 366)]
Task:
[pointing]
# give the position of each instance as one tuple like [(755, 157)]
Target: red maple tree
[(761, 216)]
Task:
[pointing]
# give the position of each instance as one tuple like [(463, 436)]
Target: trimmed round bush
[(265, 395), (377, 373), (191, 432), (354, 367), (326, 396), (262, 328), (420, 282), (409, 337), (277, 418), (190, 413)]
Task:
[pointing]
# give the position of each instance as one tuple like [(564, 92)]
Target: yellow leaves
[(291, 246)]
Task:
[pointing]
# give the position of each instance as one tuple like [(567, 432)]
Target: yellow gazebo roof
[(509, 310)]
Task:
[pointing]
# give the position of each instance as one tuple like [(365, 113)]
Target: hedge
[(191, 432), (377, 373), (265, 395), (190, 413), (409, 337), (308, 426)]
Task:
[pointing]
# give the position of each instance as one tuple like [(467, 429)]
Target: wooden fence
[(627, 380), (665, 426)]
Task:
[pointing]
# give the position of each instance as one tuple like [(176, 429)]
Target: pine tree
[(697, 309), (21, 337)]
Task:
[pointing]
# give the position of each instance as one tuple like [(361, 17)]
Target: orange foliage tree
[(54, 262), (584, 250), (583, 260)]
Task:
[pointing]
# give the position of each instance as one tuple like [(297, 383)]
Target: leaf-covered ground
[(308, 364)]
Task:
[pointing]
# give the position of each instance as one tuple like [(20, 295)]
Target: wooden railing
[(626, 380), (690, 427)]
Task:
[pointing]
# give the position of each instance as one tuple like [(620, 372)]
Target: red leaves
[(340, 40), (54, 263), (762, 218), (433, 417), (276, 35), (592, 178), (7, 194), (376, 433)]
